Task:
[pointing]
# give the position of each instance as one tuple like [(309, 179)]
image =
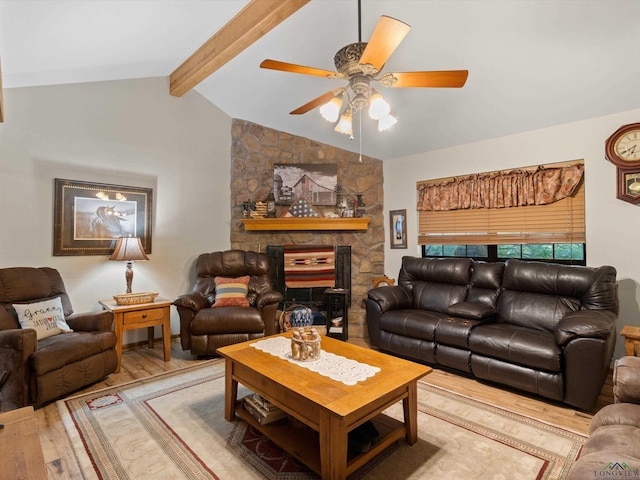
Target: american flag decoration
[(301, 208)]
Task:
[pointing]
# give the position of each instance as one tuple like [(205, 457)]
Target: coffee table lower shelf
[(303, 443)]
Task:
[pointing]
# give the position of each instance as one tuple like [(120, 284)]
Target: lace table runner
[(327, 364)]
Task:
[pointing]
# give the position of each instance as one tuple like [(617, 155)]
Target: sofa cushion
[(486, 281), (215, 321), (514, 344), (419, 324), (231, 292), (21, 284), (437, 296), (60, 350), (534, 310), (594, 287), (46, 318), (456, 271)]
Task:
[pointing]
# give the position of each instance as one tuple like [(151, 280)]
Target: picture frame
[(628, 187), (398, 228), (90, 217), (317, 182)]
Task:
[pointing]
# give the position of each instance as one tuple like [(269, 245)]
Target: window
[(453, 220), (567, 253)]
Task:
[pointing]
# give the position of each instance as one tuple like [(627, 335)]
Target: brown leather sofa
[(204, 328), (39, 371), (543, 328), (613, 447)]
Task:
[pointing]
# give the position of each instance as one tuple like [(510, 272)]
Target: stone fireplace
[(254, 151)]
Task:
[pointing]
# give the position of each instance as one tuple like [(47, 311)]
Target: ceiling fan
[(361, 64)]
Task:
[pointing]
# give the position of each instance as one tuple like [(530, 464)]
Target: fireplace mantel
[(307, 223)]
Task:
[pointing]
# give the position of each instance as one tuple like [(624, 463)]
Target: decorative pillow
[(231, 292), (46, 318), (471, 310)]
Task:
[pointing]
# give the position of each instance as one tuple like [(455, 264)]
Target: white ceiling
[(532, 64)]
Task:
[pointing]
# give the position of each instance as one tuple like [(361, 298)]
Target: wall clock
[(622, 148), (629, 185)]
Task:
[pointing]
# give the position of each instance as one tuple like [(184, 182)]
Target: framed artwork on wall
[(90, 217), (398, 228), (316, 182)]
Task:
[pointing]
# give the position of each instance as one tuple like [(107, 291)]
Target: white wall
[(126, 133), (612, 225)]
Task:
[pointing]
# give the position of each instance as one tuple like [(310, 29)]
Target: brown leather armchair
[(613, 447), (34, 372), (203, 327)]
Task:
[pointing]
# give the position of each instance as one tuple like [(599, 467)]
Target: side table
[(131, 317), (631, 340), (337, 306)]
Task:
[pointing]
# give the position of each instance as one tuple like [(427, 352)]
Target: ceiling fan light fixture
[(386, 122), (330, 111), (345, 125), (378, 106)]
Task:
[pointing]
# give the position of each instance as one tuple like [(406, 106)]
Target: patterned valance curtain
[(515, 188)]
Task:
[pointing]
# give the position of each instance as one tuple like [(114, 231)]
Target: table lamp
[(129, 249)]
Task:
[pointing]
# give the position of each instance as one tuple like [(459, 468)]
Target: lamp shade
[(386, 122), (330, 111), (128, 249), (344, 125), (378, 107)]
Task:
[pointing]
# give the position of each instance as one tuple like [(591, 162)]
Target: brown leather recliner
[(204, 328), (39, 371), (613, 447)]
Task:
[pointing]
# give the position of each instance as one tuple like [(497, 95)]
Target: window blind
[(559, 222)]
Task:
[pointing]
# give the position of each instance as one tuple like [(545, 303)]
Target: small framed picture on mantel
[(398, 228)]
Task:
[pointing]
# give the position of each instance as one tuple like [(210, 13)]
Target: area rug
[(171, 426)]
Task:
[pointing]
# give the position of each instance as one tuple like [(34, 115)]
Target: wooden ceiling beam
[(252, 22)]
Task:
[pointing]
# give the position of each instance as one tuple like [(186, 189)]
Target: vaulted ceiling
[(532, 64)]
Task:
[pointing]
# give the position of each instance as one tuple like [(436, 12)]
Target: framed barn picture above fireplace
[(90, 217), (316, 182)]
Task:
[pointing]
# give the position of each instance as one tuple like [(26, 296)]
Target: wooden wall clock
[(622, 149)]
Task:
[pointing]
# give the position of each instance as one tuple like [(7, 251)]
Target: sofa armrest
[(98, 321), (626, 380), (191, 301), (267, 304), (585, 324), (16, 346), (268, 298), (390, 298), (19, 339)]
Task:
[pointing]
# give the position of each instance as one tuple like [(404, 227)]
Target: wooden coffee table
[(330, 408)]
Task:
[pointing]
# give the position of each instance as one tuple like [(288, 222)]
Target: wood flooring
[(141, 362)]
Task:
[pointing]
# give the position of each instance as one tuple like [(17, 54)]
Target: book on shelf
[(262, 410)]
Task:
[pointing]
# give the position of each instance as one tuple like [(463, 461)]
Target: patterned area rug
[(171, 426)]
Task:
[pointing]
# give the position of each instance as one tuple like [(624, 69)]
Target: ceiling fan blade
[(290, 67), (434, 79), (316, 102), (386, 37)]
